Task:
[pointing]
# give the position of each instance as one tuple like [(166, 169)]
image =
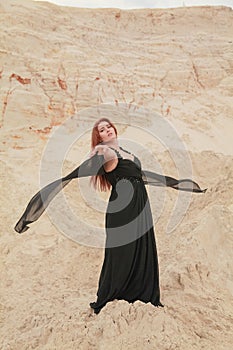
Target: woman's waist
[(131, 178)]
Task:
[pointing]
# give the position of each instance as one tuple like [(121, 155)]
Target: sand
[(58, 63)]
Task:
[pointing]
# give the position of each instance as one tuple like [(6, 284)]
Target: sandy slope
[(54, 63)]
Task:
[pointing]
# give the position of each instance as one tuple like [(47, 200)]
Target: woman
[(130, 269)]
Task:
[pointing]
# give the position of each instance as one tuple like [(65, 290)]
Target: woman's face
[(106, 131)]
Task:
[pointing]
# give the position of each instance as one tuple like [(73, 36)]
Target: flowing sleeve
[(154, 179), (41, 200)]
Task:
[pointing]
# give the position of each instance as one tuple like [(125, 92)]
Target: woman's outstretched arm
[(41, 200), (154, 179)]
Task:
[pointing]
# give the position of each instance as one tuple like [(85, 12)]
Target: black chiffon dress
[(130, 269)]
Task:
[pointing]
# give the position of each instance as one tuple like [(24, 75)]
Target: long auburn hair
[(99, 182)]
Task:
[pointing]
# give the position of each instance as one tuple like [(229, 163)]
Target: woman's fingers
[(96, 149), (93, 152)]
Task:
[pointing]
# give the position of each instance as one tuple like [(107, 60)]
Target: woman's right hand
[(98, 148), (104, 150)]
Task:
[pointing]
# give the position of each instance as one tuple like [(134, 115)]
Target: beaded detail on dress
[(118, 153), (129, 178)]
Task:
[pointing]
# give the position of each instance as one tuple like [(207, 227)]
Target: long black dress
[(130, 267)]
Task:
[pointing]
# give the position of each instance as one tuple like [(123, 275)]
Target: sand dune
[(58, 62)]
